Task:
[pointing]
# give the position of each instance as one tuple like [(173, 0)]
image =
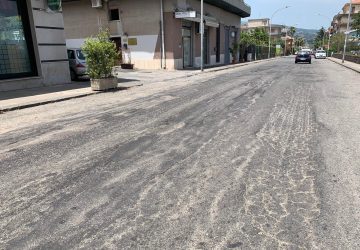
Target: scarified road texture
[(228, 160)]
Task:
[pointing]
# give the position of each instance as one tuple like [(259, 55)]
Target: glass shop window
[(16, 50)]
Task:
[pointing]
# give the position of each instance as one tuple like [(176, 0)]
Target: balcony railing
[(115, 28)]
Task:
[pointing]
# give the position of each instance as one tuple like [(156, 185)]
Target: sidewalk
[(347, 64), (26, 98)]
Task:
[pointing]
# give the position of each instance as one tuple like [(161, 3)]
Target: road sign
[(185, 14)]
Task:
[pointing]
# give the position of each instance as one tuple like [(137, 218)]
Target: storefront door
[(206, 46), (187, 52), (186, 45), (227, 47)]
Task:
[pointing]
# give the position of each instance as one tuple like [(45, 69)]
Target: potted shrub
[(101, 55)]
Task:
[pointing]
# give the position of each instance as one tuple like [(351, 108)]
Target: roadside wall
[(354, 59)]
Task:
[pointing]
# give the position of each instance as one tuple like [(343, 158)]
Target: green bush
[(100, 54)]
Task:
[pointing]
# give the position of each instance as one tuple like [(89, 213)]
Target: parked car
[(303, 57), (320, 54), (77, 63)]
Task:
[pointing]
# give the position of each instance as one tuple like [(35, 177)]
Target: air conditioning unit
[(96, 3)]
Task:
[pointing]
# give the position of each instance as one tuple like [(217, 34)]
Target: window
[(71, 54), (80, 55), (114, 15), (16, 49)]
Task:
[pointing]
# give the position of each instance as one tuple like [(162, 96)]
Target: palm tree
[(299, 41), (292, 31)]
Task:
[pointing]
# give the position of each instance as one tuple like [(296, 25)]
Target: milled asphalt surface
[(264, 156)]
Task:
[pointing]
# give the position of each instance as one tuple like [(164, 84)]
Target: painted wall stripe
[(50, 28)]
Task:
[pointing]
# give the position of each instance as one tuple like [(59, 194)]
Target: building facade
[(32, 44), (277, 31), (159, 34), (339, 23)]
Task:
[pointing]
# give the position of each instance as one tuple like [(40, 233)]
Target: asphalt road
[(264, 156)]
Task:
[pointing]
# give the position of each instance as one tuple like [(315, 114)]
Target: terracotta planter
[(103, 84), (127, 66)]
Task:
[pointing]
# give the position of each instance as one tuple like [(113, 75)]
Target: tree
[(299, 41), (292, 31), (260, 36), (246, 39), (319, 39), (337, 42), (356, 23)]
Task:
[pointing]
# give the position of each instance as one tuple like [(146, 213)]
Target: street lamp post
[(286, 34), (270, 27), (329, 45), (286, 31), (347, 31), (329, 19)]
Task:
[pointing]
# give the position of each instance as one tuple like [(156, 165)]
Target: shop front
[(166, 33), (32, 44), (17, 57), (191, 45)]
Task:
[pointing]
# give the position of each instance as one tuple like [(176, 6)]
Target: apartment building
[(339, 23), (159, 34), (276, 29), (278, 32), (32, 44)]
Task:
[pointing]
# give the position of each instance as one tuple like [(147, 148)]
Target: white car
[(320, 54)]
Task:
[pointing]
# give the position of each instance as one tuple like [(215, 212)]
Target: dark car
[(303, 57)]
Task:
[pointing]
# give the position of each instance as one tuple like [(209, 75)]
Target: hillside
[(308, 34)]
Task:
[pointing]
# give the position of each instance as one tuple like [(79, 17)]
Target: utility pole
[(163, 53), (329, 19), (285, 40), (202, 35), (270, 20), (347, 31), (329, 44)]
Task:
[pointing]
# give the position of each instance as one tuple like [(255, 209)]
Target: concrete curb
[(216, 69), (344, 65), (232, 66), (221, 68), (35, 104)]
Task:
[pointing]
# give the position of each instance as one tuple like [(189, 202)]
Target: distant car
[(77, 63), (308, 51), (320, 54), (303, 57)]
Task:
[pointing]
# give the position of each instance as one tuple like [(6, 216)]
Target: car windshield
[(80, 55)]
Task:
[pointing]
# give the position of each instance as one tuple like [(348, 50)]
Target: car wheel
[(309, 62)]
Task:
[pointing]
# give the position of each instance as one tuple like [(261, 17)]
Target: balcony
[(238, 7), (115, 28)]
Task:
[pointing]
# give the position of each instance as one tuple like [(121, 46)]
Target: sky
[(301, 14)]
